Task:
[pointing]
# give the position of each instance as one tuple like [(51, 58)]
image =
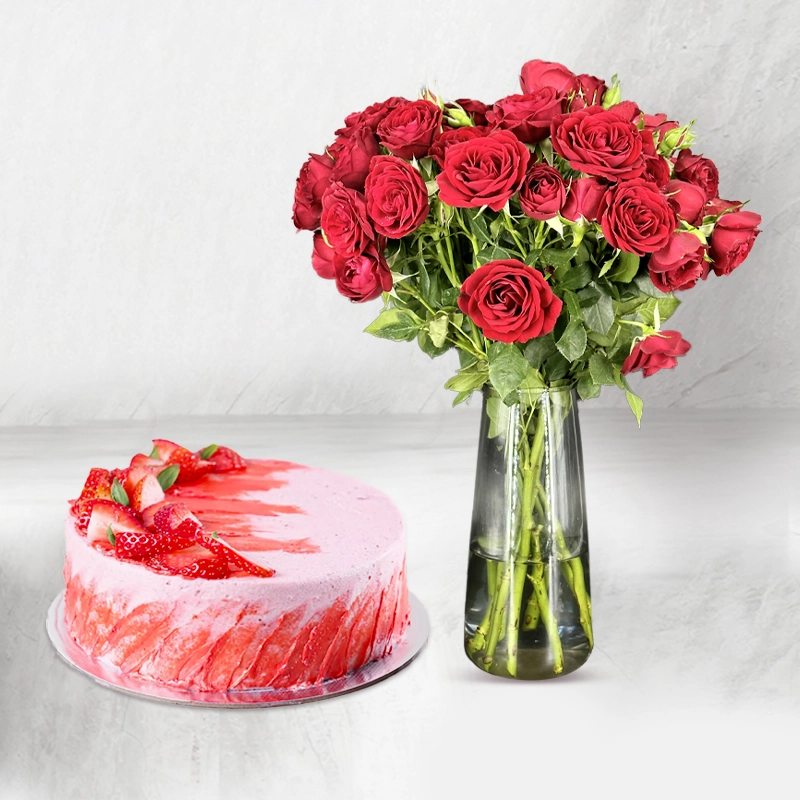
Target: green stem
[(479, 639)]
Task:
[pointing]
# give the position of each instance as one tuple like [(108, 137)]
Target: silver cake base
[(108, 675)]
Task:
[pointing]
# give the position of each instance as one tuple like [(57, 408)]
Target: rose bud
[(583, 199), (353, 157), (527, 116), (698, 170), (322, 257), (680, 264), (636, 217), (408, 131), (345, 220), (371, 116), (363, 276), (591, 91), (687, 199), (476, 109), (656, 352), (716, 206), (397, 198), (509, 301), (732, 240), (313, 180), (542, 193), (537, 74)]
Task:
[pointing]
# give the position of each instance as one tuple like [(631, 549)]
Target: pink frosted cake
[(207, 572)]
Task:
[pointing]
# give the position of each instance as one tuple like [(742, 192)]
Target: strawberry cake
[(208, 572)]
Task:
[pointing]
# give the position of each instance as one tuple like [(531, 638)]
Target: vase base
[(532, 664)]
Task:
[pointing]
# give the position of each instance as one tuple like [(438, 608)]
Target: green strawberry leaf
[(110, 535), (118, 493), (168, 476), (209, 451)]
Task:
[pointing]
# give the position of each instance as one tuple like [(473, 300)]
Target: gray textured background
[(148, 264)]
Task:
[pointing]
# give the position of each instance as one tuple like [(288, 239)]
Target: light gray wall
[(148, 153)]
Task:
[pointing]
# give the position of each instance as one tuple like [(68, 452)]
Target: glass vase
[(528, 610)]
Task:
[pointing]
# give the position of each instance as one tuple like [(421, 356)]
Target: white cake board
[(404, 652)]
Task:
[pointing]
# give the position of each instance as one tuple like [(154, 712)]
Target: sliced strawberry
[(224, 460), (169, 517), (141, 460), (234, 558), (146, 492), (208, 568), (98, 484), (192, 467), (108, 514), (141, 544)]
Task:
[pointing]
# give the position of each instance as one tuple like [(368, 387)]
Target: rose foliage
[(543, 236)]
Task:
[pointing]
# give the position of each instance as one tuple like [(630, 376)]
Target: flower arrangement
[(543, 237)]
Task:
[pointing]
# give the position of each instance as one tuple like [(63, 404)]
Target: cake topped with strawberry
[(211, 572)]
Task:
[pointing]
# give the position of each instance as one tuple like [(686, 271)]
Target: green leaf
[(589, 296), (110, 536), (479, 226), (450, 297), (636, 404), (572, 343), (154, 452), (662, 308), (469, 378), (556, 224), (498, 416), (609, 263), (600, 316), (578, 276), (423, 280), (494, 253), (601, 370), (626, 268), (573, 305), (461, 397), (168, 476), (427, 346), (646, 286), (537, 350), (587, 388), (209, 451), (531, 387), (397, 324), (437, 329), (556, 367), (507, 368), (557, 256), (118, 493)]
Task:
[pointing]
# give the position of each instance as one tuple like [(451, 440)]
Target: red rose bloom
[(344, 220), (313, 180), (656, 167), (371, 116), (450, 137), (636, 217), (732, 239), (527, 116), (687, 200), (680, 264), (353, 157), (363, 276), (591, 91), (698, 170), (718, 205), (656, 352), (397, 199), (542, 193), (509, 302), (483, 172), (408, 131), (475, 108), (656, 126), (537, 74), (322, 257), (583, 199), (599, 143)]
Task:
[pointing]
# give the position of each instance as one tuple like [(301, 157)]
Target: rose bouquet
[(544, 238)]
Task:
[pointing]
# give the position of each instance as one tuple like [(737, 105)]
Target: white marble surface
[(693, 689)]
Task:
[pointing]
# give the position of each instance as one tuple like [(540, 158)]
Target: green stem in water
[(479, 639)]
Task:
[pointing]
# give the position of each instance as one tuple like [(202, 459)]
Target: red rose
[(583, 199), (450, 137), (313, 180), (483, 172), (656, 167), (716, 206), (656, 352), (680, 264), (599, 143), (527, 116), (353, 157), (322, 257), (542, 192), (636, 217), (475, 108), (397, 199), (656, 126), (345, 221), (538, 74), (627, 110), (732, 239), (363, 276), (591, 91), (698, 170), (509, 302), (408, 131), (370, 116), (687, 199)]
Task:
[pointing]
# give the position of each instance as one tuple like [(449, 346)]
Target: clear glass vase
[(528, 613)]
